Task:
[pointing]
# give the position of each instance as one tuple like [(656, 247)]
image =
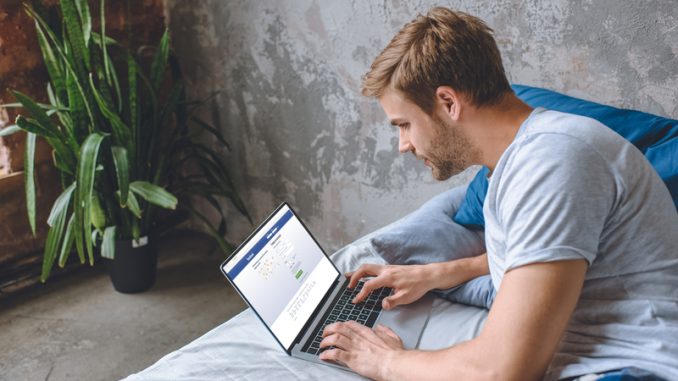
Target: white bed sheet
[(243, 349)]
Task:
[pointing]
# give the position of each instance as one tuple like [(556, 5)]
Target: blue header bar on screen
[(260, 245)]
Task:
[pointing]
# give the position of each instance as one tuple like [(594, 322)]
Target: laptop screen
[(283, 274)]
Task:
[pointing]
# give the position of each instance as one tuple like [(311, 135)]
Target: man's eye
[(404, 125)]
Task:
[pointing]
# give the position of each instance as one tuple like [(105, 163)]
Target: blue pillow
[(470, 212), (655, 136)]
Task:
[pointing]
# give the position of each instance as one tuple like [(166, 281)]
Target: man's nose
[(404, 144)]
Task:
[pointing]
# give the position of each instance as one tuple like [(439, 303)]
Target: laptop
[(291, 284)]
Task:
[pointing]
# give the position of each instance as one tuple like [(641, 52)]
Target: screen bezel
[(246, 241)]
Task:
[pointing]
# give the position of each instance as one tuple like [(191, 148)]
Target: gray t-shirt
[(568, 187)]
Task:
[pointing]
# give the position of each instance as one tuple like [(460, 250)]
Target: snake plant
[(124, 139)]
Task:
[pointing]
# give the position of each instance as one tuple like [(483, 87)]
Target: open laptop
[(294, 288)]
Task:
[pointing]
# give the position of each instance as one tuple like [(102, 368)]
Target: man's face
[(442, 146)]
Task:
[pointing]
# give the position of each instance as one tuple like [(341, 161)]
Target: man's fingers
[(355, 278), (337, 340), (342, 328), (387, 331), (389, 337), (368, 334), (393, 300), (350, 330), (357, 328), (332, 328), (368, 286), (336, 355), (367, 269)]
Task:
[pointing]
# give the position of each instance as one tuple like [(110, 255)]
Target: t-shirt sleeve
[(556, 193)]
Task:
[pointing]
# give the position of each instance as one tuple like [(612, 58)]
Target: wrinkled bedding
[(243, 349)]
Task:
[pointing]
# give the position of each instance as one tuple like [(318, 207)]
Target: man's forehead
[(394, 104)]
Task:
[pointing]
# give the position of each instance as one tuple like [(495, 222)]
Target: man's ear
[(449, 100)]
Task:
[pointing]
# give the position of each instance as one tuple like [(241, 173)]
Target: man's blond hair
[(443, 48)]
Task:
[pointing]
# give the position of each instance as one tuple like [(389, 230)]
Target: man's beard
[(451, 151)]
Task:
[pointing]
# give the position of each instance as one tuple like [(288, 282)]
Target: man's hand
[(520, 336), (366, 351), (409, 282)]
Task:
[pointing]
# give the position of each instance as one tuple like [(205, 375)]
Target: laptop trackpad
[(408, 321)]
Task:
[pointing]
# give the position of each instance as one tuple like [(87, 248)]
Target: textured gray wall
[(289, 75)]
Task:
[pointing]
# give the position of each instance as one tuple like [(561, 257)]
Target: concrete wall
[(289, 74)]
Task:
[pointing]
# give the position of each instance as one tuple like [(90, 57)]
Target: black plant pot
[(134, 267)]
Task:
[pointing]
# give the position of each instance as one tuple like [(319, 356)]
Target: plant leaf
[(63, 154), (30, 125), (73, 85), (136, 230), (67, 244), (74, 30), (133, 205), (50, 109), (108, 244), (60, 204), (222, 227), (54, 68), (121, 172), (165, 114), (37, 113), (225, 246), (77, 105), (89, 153), (115, 84), (29, 179), (77, 231), (64, 117), (171, 103), (95, 234), (97, 213), (159, 64), (217, 134), (121, 133), (109, 68), (209, 197), (132, 69), (54, 237), (96, 37), (9, 130), (11, 105), (154, 194), (103, 82), (86, 19)]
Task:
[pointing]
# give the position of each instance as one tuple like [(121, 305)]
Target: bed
[(242, 348)]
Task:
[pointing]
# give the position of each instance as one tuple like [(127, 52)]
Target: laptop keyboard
[(365, 312)]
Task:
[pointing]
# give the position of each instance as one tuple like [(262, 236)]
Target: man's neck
[(493, 128)]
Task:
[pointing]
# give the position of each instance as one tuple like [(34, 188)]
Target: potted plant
[(117, 145)]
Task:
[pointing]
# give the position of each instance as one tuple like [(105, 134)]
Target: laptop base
[(408, 322)]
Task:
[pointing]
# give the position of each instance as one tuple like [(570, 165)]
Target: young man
[(580, 230)]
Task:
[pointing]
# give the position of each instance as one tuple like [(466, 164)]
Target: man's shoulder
[(563, 128), (560, 156), (571, 141), (552, 141)]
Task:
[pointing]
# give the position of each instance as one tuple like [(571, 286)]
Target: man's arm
[(522, 331), (411, 282)]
